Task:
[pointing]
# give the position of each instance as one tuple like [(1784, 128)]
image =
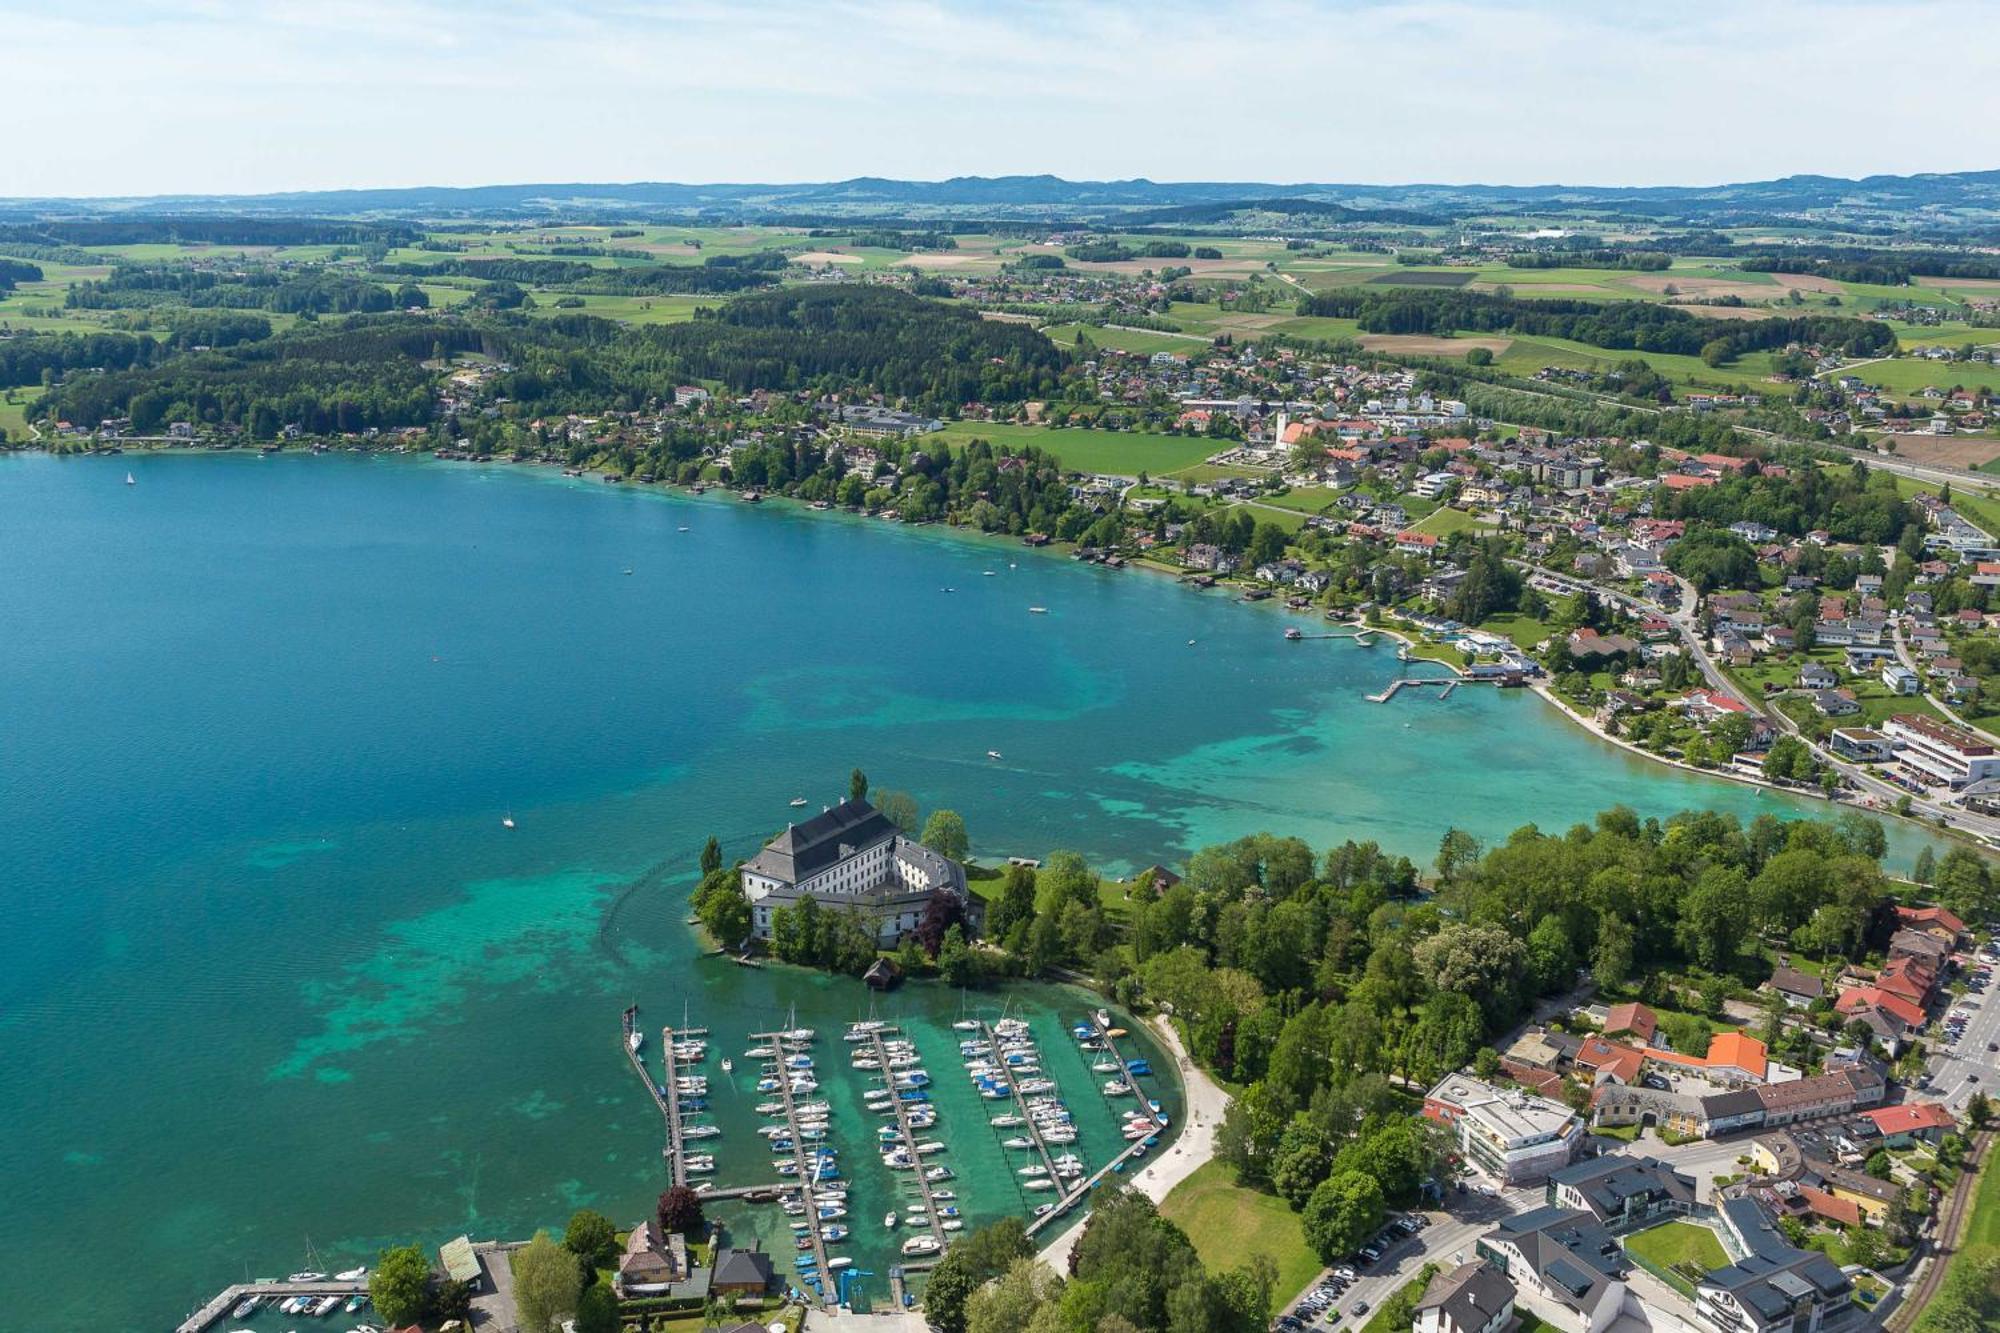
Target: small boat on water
[(246, 1307), (1038, 610), (130, 480), (967, 1024), (507, 821), (727, 1065), (353, 1274), (992, 754), (309, 1275), (635, 1040), (922, 1245), (1039, 1183), (889, 1222)]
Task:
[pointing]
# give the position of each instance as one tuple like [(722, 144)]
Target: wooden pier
[(808, 1164), (231, 1297), (908, 1135), (676, 1133), (1138, 1148), (1020, 1104)]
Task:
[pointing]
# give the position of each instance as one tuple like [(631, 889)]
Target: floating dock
[(231, 1297), (1117, 1164), (807, 1158), (1019, 1101), (907, 1134)]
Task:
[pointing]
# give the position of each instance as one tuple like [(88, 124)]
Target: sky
[(129, 97)]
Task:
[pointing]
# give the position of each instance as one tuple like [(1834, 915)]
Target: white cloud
[(142, 96)]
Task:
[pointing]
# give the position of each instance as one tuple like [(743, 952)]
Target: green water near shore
[(273, 973)]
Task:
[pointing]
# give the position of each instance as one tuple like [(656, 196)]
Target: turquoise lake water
[(274, 974)]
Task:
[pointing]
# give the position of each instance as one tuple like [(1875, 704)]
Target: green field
[(13, 416), (1446, 521), (1126, 453), (1904, 376), (1143, 342), (1674, 1243), (1229, 1223)]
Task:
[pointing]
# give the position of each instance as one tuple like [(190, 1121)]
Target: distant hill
[(1941, 199)]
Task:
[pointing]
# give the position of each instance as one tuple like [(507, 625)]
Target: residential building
[(1771, 1286), (1563, 1265), (652, 1262), (853, 858), (741, 1273), (1634, 1022), (1801, 990), (1472, 1298)]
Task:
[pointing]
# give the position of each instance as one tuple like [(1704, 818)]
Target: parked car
[(1358, 1309)]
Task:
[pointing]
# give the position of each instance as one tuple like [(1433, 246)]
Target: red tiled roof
[(1844, 1211), (1634, 1018), (1910, 1117), (1856, 998)]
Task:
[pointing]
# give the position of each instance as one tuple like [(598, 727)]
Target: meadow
[(1125, 453)]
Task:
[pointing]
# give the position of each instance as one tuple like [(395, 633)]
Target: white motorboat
[(727, 1065), (309, 1275), (507, 821), (353, 1274), (1008, 1121), (889, 1222), (1038, 610), (922, 1245), (798, 801), (1031, 1172), (1038, 1184), (993, 754), (636, 1040)]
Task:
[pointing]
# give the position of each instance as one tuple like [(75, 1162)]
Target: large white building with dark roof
[(853, 858)]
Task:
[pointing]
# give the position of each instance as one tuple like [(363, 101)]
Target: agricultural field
[(1142, 341), (671, 309), (1125, 453)]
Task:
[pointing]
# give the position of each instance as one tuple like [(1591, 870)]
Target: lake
[(275, 977)]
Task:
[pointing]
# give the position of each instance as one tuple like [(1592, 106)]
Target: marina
[(811, 1196), (912, 1159)]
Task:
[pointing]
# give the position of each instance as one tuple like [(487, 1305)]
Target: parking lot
[(1443, 1236), (1965, 1060)]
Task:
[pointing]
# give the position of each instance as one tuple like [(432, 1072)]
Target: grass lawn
[(1984, 1226), (13, 416), (1229, 1223), (1674, 1243), (1083, 449), (1445, 521)]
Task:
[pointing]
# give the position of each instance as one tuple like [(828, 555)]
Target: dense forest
[(367, 372), (208, 231), (715, 275), (1632, 325), (315, 290), (14, 271), (1887, 268), (1645, 261), (363, 374), (873, 339)]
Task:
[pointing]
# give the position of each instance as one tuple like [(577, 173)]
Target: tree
[(597, 1310), (944, 833), (1925, 869), (957, 964), (1010, 1304), (1978, 1110), (400, 1285), (857, 785), (900, 807), (680, 1210), (547, 1281), (1715, 916), (1342, 1213), (711, 856), (1456, 850), (1481, 960), (590, 1237)]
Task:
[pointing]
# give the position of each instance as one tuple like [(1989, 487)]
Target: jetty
[(230, 1297), (1360, 636), (1019, 1101), (670, 1113), (907, 1134), (808, 1159), (1447, 684)]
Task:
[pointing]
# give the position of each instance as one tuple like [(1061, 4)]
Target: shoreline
[(1053, 547)]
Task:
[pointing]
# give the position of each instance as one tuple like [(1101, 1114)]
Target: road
[(1959, 1069)]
